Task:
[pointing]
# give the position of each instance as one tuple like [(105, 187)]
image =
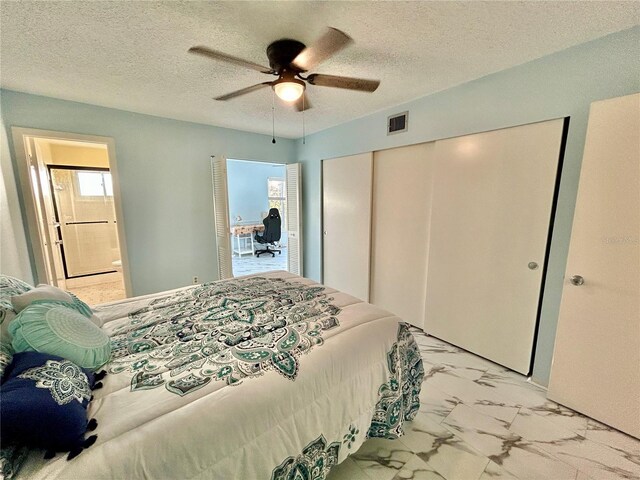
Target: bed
[(270, 376)]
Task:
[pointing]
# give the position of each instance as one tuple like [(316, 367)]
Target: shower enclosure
[(85, 219)]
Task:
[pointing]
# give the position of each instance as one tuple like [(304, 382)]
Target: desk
[(243, 235)]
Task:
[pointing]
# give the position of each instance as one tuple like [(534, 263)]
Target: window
[(278, 197), (95, 184)]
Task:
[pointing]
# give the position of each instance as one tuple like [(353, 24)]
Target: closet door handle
[(576, 280)]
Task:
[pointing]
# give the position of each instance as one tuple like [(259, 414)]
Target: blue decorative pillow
[(43, 404)]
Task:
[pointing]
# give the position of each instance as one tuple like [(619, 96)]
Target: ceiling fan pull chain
[(273, 116), (303, 130)]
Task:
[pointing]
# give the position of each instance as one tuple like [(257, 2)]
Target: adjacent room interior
[(254, 188), (72, 189), (312, 240)]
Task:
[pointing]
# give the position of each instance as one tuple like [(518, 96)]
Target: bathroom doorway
[(75, 208)]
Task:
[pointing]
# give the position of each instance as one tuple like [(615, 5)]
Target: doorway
[(72, 207), (253, 189), (244, 192)]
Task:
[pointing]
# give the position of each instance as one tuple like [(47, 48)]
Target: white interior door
[(54, 239), (346, 210), (294, 218), (596, 362), (492, 202), (45, 219), (402, 187), (221, 216)]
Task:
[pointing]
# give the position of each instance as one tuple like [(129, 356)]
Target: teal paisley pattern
[(398, 398), (65, 381), (222, 331), (350, 437), (9, 286), (314, 463), (6, 356), (11, 459)]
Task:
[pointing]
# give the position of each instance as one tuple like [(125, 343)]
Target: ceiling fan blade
[(237, 93), (324, 47), (360, 84), (299, 103), (215, 55)]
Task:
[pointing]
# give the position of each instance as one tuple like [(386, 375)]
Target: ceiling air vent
[(398, 123)]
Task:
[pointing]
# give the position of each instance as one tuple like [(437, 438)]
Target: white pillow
[(41, 292), (49, 292)]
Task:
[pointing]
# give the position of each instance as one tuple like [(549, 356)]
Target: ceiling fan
[(289, 60)]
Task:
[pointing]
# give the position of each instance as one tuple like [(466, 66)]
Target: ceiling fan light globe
[(289, 91)]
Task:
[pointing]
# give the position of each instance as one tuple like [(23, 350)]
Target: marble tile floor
[(100, 292), (249, 264), (480, 421)]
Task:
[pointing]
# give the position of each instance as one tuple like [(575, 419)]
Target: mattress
[(270, 376)]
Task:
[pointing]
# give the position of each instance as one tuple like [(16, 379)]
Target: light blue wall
[(247, 184), (165, 178), (14, 255), (559, 85)]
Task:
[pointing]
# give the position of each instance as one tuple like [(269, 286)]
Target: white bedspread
[(243, 379)]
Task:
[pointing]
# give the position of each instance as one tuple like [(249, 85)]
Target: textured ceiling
[(133, 55)]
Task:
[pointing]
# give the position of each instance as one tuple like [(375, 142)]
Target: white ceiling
[(133, 55)]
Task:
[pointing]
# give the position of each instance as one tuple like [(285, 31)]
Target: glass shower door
[(86, 217)]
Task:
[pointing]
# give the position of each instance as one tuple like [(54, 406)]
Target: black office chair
[(272, 232)]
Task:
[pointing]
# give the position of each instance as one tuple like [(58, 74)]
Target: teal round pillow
[(57, 329)]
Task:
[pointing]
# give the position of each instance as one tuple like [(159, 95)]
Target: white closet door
[(402, 187), (492, 200), (221, 216), (596, 362), (294, 218), (346, 210)]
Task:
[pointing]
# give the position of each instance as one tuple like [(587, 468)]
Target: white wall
[(559, 85), (14, 256), (165, 180)]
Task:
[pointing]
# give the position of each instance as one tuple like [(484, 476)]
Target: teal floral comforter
[(271, 376)]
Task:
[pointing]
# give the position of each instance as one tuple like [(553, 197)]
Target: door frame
[(21, 136)]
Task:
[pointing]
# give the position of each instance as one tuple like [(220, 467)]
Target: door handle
[(58, 242), (576, 280)]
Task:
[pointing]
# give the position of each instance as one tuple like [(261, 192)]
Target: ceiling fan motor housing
[(282, 52)]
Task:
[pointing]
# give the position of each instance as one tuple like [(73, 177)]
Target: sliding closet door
[(221, 216), (294, 218), (346, 210), (596, 362), (492, 201), (402, 187)]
